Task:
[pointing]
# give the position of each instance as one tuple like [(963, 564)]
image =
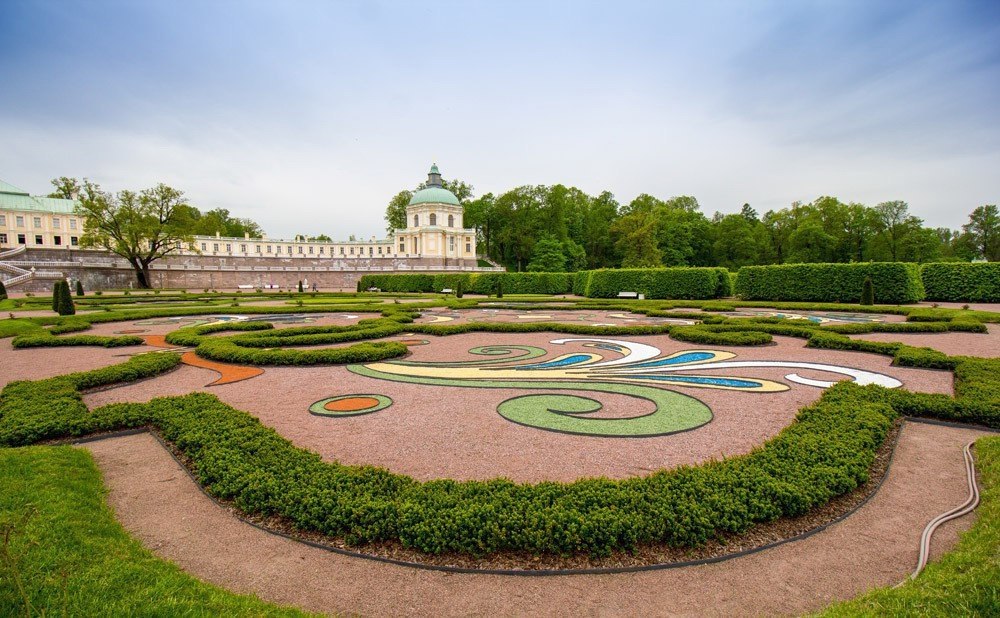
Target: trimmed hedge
[(474, 283), (49, 341), (398, 283), (657, 283), (827, 452), (894, 282), (960, 282)]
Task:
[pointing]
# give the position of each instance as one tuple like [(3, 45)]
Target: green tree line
[(558, 228)]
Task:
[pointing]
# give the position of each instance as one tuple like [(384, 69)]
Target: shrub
[(894, 282), (300, 286), (3, 291), (961, 282), (867, 292), (522, 283), (48, 341), (62, 300), (79, 288), (398, 283), (499, 288), (678, 283)]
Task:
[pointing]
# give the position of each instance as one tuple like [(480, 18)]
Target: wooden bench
[(245, 287), (629, 295), (447, 291), (373, 289)]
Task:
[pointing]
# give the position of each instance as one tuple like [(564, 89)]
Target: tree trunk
[(141, 272)]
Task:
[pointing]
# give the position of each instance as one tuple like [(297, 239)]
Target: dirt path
[(157, 502)]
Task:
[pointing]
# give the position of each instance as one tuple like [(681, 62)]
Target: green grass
[(65, 553), (966, 580), (19, 326)]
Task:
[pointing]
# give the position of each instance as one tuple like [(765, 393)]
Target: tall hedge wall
[(673, 283), (895, 282), (962, 282), (474, 283)]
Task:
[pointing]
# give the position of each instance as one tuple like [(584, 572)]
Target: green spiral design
[(674, 412)]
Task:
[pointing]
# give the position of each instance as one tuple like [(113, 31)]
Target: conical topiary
[(459, 289), (3, 291), (56, 289), (868, 292), (499, 287), (79, 287), (300, 285)]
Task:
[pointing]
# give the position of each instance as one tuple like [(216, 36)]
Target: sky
[(309, 116)]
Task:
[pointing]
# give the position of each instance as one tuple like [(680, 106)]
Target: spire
[(434, 177)]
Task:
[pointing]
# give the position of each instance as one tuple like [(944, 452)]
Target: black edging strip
[(516, 572)]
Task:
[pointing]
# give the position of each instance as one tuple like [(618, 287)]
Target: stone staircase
[(15, 275)]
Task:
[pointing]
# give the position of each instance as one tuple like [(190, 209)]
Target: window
[(55, 222), (278, 249), (204, 246), (300, 250), (451, 220), (57, 240), (289, 249), (3, 219), (229, 248), (37, 221), (243, 248), (434, 219), (402, 248), (269, 248), (20, 220), (416, 220), (379, 250), (352, 250), (310, 250), (371, 250), (74, 241), (72, 224), (20, 239), (3, 238), (321, 250), (468, 247), (39, 240), (451, 243), (416, 246), (341, 251), (257, 248)]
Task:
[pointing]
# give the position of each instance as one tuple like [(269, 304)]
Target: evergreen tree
[(79, 287), (868, 292), (3, 291), (300, 286), (63, 299)]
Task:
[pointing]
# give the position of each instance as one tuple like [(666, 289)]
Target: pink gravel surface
[(156, 501), (451, 432), (985, 345), (318, 319), (38, 363), (974, 306)]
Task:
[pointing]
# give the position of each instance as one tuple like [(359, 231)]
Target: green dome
[(434, 195)]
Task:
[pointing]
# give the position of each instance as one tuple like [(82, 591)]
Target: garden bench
[(373, 289), (447, 291), (245, 287), (631, 295)]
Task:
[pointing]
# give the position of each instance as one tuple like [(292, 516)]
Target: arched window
[(434, 219), (451, 220), (416, 220)]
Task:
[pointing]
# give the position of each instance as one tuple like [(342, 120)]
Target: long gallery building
[(40, 242)]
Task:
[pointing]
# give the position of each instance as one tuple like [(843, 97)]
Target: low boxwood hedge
[(50, 341), (961, 282), (894, 282)]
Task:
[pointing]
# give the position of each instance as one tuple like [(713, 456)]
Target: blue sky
[(309, 116)]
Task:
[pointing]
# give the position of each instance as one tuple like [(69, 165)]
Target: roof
[(6, 187), (13, 198), (434, 195)]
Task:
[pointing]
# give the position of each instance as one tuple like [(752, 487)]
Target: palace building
[(40, 239)]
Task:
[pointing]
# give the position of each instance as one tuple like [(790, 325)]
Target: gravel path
[(156, 501), (964, 344), (449, 432)]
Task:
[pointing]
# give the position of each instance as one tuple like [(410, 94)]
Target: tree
[(894, 222), (395, 212), (322, 238), (748, 213), (636, 240), (66, 188), (736, 243), (3, 291), (140, 227), (79, 287), (548, 256), (867, 292), (62, 300), (983, 231)]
